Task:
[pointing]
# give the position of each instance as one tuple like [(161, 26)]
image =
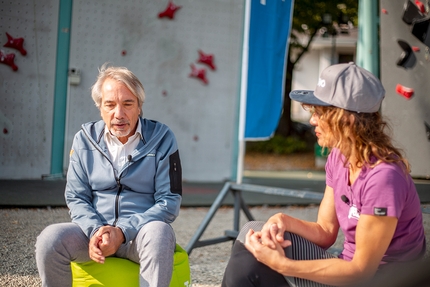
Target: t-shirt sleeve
[(385, 193), (329, 167)]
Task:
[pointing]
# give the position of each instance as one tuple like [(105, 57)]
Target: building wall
[(26, 95), (407, 116), (158, 50)]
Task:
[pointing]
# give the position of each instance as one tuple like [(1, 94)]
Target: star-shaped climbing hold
[(199, 74), (207, 59), (8, 59), (170, 11), (15, 43)]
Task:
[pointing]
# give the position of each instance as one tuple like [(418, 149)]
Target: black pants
[(244, 270)]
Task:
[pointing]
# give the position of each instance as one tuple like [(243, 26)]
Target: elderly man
[(124, 187)]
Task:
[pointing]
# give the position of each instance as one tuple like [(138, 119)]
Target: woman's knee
[(244, 270), (254, 225), (242, 266)]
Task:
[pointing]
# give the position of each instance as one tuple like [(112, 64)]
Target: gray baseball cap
[(345, 86)]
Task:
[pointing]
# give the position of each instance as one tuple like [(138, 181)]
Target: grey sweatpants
[(61, 243)]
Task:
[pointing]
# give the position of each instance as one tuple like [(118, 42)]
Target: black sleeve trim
[(175, 173)]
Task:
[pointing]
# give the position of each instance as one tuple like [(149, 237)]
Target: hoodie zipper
[(117, 179), (120, 188)]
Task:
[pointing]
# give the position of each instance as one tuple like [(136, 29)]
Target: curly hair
[(370, 134)]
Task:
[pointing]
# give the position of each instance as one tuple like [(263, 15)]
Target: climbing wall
[(405, 73), (28, 35), (187, 55)]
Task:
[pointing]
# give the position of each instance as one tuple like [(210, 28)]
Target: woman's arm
[(373, 236), (323, 232)]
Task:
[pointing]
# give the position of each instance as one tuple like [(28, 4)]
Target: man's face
[(119, 109)]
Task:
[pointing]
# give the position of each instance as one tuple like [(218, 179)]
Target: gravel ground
[(20, 228)]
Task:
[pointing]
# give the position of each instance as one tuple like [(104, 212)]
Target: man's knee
[(60, 238), (155, 237), (48, 238), (158, 231)]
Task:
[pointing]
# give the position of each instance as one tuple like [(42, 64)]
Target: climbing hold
[(427, 130), (420, 6), (411, 12), (15, 43), (207, 59), (170, 11), (420, 29), (407, 58), (8, 59), (199, 74), (404, 91)]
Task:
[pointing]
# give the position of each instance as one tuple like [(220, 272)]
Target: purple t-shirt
[(385, 190)]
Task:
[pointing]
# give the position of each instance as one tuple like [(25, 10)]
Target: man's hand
[(105, 242)]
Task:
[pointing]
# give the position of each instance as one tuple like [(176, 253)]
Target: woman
[(369, 195)]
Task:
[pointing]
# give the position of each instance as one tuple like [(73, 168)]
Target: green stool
[(120, 272)]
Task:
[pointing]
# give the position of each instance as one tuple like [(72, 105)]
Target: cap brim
[(307, 97)]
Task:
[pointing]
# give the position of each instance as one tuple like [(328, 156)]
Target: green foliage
[(310, 13), (278, 145), (308, 19), (307, 23)]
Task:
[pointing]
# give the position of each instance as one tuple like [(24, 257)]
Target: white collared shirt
[(118, 151)]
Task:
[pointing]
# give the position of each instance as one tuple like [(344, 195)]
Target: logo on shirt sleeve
[(380, 211)]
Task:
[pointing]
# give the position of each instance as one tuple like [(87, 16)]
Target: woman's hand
[(273, 231), (269, 253)]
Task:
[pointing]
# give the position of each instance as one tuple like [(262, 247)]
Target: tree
[(306, 25)]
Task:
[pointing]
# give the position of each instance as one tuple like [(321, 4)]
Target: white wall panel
[(159, 52), (26, 96)]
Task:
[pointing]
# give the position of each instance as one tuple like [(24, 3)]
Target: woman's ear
[(351, 118), (348, 119)]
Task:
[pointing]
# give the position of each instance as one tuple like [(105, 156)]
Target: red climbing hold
[(199, 74), (404, 91), (170, 11), (420, 6), (207, 59), (8, 59), (15, 43)]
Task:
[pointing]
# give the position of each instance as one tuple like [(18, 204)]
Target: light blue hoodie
[(147, 188)]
